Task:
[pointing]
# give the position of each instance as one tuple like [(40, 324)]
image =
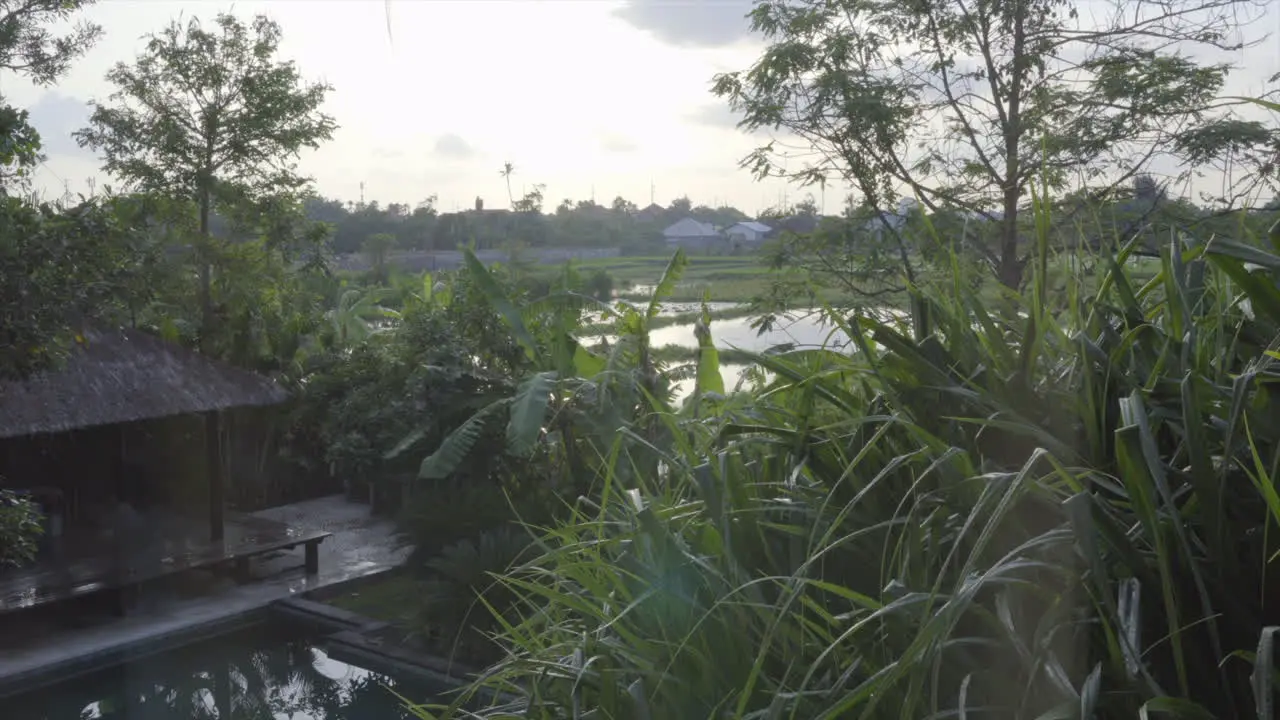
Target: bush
[(599, 285), (20, 527), (1053, 511)]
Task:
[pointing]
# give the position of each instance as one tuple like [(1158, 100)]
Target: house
[(694, 236), (896, 220), (122, 448), (747, 233)]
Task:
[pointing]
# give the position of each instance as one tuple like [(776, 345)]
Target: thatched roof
[(118, 376)]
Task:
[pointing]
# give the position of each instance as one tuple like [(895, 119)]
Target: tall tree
[(29, 48), (210, 115), (970, 104)]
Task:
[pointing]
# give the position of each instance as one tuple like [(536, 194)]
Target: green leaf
[(709, 378), (455, 448), (494, 293), (670, 276), (586, 363), (528, 410), (1258, 101)]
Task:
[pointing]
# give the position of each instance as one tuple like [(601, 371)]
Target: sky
[(589, 97)]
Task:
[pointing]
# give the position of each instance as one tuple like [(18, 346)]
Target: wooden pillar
[(213, 456)]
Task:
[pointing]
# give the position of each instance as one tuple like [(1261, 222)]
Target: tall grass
[(1061, 509)]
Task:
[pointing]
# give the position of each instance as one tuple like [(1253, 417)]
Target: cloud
[(618, 144), (453, 147), (56, 116), (719, 116), (383, 153), (690, 23)]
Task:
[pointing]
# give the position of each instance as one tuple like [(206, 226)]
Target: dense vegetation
[(1043, 488), (570, 224)]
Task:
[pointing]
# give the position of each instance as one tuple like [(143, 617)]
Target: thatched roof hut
[(120, 376)]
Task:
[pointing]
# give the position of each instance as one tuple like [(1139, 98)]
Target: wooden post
[(213, 455)]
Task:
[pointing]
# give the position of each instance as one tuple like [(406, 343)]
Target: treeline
[(581, 223)]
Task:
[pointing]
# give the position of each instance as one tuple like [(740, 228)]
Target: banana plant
[(565, 369), (351, 318)]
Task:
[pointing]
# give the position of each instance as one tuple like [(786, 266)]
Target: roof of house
[(118, 376), (754, 226), (689, 228)]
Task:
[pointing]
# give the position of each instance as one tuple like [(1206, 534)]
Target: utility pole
[(651, 191), (361, 194)]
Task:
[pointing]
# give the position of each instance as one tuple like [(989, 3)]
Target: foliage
[(210, 116), (1060, 509), (30, 49), (20, 525), (967, 107), (464, 588), (580, 224), (376, 248), (205, 111), (62, 267)]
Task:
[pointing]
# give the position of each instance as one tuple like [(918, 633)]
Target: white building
[(747, 232), (693, 235)]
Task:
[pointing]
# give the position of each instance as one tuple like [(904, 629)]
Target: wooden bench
[(85, 573)]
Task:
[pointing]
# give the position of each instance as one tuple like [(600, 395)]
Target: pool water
[(258, 674)]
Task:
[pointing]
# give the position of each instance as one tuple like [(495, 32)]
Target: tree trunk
[(206, 275), (1010, 271)]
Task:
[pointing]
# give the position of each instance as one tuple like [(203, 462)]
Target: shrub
[(1059, 510), (20, 526)]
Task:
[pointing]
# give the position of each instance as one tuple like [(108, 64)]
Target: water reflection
[(242, 677), (806, 330)]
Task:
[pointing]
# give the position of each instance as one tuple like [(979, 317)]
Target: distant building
[(694, 236), (894, 221), (747, 233)]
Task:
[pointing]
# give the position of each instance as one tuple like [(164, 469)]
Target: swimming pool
[(261, 673)]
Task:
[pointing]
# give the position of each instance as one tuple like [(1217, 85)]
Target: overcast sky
[(577, 94)]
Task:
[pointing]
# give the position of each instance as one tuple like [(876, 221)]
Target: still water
[(801, 330), (259, 674)]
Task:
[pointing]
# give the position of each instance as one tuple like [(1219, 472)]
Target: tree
[(507, 170), (29, 48), (209, 115), (969, 105), (623, 206), (376, 249)]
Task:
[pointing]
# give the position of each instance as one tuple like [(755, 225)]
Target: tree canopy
[(971, 105), (211, 116), (30, 49)]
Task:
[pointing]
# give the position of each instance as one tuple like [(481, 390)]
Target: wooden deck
[(79, 566)]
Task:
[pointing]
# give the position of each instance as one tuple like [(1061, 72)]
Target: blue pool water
[(258, 674)]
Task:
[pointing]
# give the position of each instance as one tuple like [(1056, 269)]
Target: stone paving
[(360, 545)]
